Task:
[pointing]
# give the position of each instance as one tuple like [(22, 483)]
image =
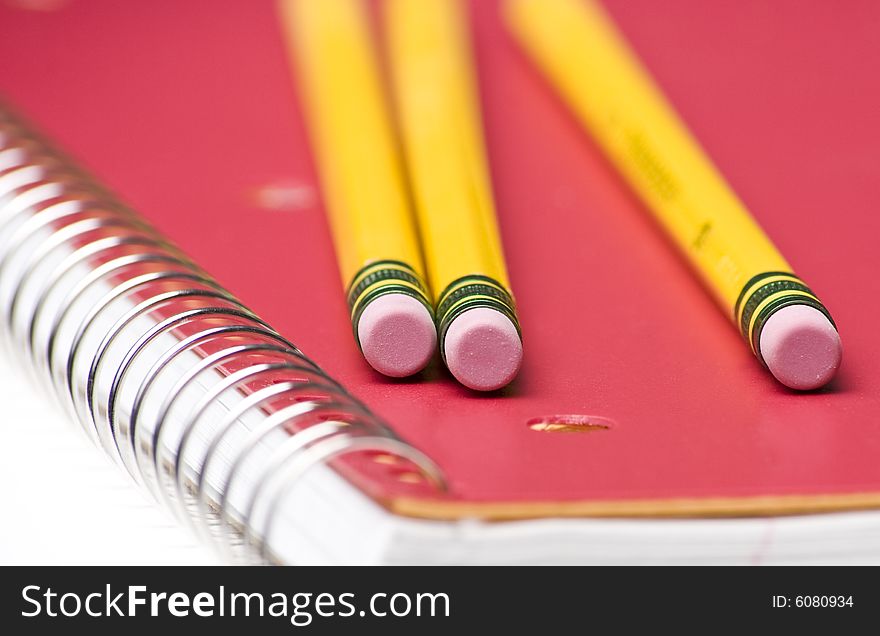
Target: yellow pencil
[(365, 192), (434, 85), (588, 61)]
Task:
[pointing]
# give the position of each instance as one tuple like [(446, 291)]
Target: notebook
[(95, 515), (189, 111)]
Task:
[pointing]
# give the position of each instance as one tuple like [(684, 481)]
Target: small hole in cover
[(398, 468), (570, 424), (409, 477), (385, 458)]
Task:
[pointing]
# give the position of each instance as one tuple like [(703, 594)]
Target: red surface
[(188, 109)]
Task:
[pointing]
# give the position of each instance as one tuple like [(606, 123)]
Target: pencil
[(435, 92), (333, 54), (582, 54)]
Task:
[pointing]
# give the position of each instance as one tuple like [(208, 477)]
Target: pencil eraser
[(801, 347), (483, 349), (397, 335)]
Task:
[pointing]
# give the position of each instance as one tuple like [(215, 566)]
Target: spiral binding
[(175, 378)]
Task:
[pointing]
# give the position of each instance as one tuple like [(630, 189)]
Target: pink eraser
[(397, 335), (483, 349), (801, 347)]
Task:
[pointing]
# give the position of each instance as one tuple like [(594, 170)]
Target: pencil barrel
[(436, 95), (580, 51), (364, 187)]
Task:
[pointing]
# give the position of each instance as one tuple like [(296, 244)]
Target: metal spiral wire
[(141, 346)]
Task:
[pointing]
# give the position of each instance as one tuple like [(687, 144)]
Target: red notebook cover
[(188, 108)]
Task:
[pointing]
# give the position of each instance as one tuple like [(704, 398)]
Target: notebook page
[(64, 502)]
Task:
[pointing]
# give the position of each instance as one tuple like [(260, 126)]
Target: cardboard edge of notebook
[(671, 508)]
